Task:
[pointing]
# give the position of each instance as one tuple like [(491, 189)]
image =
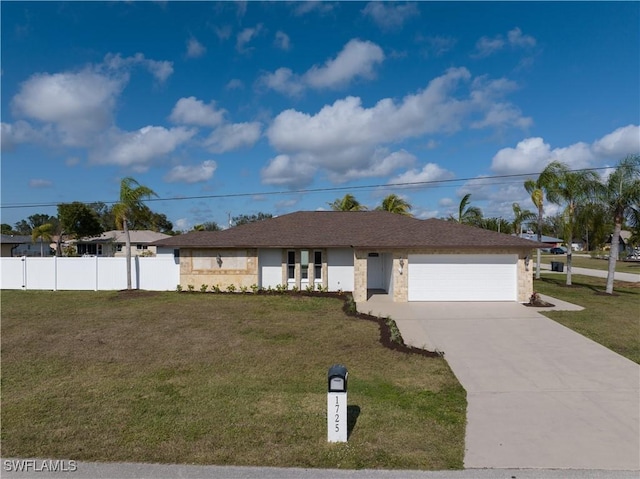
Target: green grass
[(215, 379), (593, 263), (613, 321)]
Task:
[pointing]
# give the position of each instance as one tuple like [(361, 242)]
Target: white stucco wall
[(340, 269), (270, 268)]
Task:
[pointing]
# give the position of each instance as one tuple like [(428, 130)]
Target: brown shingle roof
[(372, 229)]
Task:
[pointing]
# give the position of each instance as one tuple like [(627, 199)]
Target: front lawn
[(613, 321), (215, 379)]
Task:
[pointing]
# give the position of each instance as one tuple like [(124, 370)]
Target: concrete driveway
[(539, 395)]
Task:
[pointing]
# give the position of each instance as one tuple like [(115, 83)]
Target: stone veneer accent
[(222, 277)]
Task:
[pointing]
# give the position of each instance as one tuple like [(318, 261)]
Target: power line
[(408, 185)]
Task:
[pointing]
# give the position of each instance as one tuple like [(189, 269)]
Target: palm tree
[(469, 215), (347, 203), (538, 189), (520, 217), (572, 188), (395, 204), (44, 233), (132, 194), (620, 192)]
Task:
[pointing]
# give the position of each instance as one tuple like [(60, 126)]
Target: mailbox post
[(337, 404)]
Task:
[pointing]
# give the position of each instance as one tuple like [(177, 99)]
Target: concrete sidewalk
[(539, 395), (597, 273)]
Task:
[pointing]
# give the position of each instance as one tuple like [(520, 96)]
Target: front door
[(375, 273)]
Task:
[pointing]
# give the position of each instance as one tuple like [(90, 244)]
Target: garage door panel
[(462, 277)]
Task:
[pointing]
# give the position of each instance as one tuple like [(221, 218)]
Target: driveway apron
[(539, 395)]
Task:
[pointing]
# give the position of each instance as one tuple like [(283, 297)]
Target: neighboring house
[(113, 243), (361, 252), (549, 241), (22, 245)]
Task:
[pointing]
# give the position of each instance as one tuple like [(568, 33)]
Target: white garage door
[(463, 277)]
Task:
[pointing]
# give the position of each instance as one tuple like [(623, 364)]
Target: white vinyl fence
[(89, 273)]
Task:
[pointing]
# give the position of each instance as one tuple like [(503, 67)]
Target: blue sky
[(242, 107)]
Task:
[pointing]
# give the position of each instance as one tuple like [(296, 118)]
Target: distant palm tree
[(520, 217), (469, 215), (132, 195), (571, 188), (620, 192), (538, 189), (347, 203), (395, 204), (44, 233)]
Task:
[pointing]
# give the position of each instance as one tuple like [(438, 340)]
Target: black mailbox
[(338, 378)]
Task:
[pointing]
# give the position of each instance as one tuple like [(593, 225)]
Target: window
[(304, 264), (291, 265), (142, 246), (317, 265)]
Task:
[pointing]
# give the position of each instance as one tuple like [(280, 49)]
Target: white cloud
[(344, 137), (182, 224), (245, 36), (223, 32), (12, 135), (390, 16), (531, 155), (192, 174), (429, 173), (486, 46), (283, 81), (517, 39), (381, 164), (321, 7), (140, 148), (195, 49), (233, 136), (161, 70), (77, 104), (234, 84), (40, 183), (357, 59), (346, 122), (285, 171), (191, 111), (437, 46), (619, 143), (282, 40)]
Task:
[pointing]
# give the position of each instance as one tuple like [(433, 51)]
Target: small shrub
[(179, 288), (294, 289), (203, 288), (216, 288), (351, 305), (244, 289), (281, 288), (254, 288), (309, 288), (231, 288), (396, 336), (190, 288)]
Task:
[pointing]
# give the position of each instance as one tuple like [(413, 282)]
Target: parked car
[(557, 250)]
